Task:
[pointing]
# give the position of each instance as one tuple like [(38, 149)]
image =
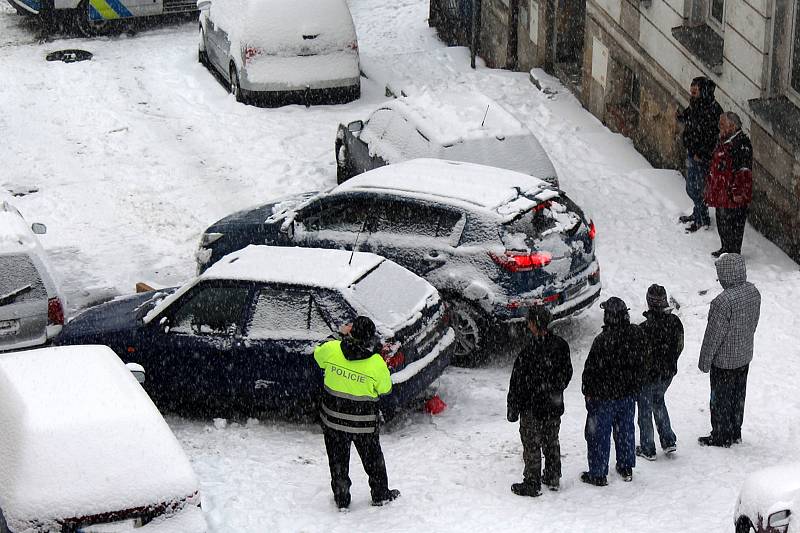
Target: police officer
[(355, 375)]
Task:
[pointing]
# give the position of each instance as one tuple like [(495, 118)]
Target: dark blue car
[(242, 334)]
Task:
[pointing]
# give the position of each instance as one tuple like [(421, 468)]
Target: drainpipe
[(474, 31), (513, 27)]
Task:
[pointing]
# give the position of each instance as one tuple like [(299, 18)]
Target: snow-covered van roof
[(316, 267), (450, 117), (81, 437), (15, 235), (495, 190)]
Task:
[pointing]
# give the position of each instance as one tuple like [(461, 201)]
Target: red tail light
[(251, 52), (542, 206), (522, 262), (592, 230), (55, 312), (392, 355)]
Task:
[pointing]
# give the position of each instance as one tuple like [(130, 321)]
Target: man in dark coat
[(541, 372), (728, 349), (700, 133), (729, 186), (612, 379), (664, 334)]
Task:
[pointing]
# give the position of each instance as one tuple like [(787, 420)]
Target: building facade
[(631, 63)]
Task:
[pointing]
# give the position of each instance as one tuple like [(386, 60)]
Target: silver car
[(277, 52), (31, 309)]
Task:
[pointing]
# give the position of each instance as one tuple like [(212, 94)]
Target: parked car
[(769, 501), (31, 306), (82, 449), (458, 126), (492, 241), (278, 52), (242, 333)]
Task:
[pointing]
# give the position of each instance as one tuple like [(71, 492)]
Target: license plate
[(572, 291), (9, 327), (112, 527)]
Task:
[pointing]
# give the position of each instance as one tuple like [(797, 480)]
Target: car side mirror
[(164, 324), (38, 229), (137, 370), (355, 126)]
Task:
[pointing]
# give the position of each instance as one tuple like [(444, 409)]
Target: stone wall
[(493, 45)]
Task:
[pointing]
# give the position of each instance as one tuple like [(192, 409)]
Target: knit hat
[(616, 311), (540, 316), (657, 297), (363, 329)]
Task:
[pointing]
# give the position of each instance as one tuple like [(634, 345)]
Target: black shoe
[(711, 441), (685, 218), (625, 473), (718, 252), (553, 485), (648, 456), (526, 489), (392, 495), (597, 481), (343, 503), (694, 227)]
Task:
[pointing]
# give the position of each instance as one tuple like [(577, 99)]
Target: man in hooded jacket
[(700, 132), (728, 349), (612, 379), (355, 376)]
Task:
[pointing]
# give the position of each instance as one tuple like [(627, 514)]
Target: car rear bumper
[(302, 95), (408, 383)]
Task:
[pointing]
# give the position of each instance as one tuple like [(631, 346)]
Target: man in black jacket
[(664, 334), (700, 133), (612, 379), (541, 372)]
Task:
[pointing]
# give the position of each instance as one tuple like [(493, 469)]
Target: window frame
[(793, 53), (313, 305), (170, 312), (714, 24)]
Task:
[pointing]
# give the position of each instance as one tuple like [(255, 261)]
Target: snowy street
[(137, 151)]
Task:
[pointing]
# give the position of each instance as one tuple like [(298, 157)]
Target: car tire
[(202, 55), (471, 330), (87, 27), (236, 88), (743, 525)]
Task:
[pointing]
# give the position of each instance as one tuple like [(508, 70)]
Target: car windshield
[(19, 280), (391, 294), (553, 217)]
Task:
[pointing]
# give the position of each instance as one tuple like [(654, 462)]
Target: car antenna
[(484, 115), (353, 251)]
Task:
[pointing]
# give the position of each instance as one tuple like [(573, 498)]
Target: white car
[(279, 52), (31, 306), (83, 449), (769, 501), (453, 125)]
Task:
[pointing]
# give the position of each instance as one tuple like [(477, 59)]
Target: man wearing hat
[(612, 380), (355, 376), (664, 334), (542, 371)]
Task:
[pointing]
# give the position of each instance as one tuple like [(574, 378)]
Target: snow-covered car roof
[(497, 191), (15, 235), (81, 438), (770, 490)]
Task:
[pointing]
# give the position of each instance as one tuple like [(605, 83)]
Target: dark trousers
[(696, 172), (602, 418), (540, 436), (651, 405), (368, 446), (728, 391), (730, 225)]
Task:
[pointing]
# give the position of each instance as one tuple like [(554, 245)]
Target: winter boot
[(552, 484), (598, 481), (392, 495), (686, 218), (626, 473), (711, 441), (669, 450), (643, 455), (526, 489)]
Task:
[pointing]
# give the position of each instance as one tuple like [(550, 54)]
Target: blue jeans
[(696, 172), (603, 417), (651, 406)]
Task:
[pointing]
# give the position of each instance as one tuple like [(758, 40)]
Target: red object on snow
[(435, 405)]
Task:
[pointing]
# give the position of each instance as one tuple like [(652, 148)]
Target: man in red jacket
[(729, 186)]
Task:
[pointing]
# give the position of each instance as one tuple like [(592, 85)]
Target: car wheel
[(88, 27), (202, 55), (469, 326), (236, 89), (743, 525)]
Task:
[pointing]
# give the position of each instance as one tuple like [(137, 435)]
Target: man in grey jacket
[(728, 349)]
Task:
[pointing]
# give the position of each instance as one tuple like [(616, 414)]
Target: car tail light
[(55, 312), (594, 277), (592, 230), (542, 206), (522, 262), (352, 45), (251, 52), (392, 355)]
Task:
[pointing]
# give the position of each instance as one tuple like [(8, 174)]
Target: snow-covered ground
[(138, 150)]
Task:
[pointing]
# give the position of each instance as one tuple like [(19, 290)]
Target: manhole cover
[(69, 56)]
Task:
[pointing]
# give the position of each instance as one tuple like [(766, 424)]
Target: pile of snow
[(80, 437), (15, 235)]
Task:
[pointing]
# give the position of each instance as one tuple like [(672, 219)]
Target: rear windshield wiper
[(11, 296)]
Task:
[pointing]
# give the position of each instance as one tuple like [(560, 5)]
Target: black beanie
[(657, 297), (363, 329)]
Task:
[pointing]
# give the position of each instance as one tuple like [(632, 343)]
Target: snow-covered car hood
[(770, 490)]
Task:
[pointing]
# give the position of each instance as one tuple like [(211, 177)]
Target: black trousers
[(540, 436), (728, 391), (730, 225), (368, 446)]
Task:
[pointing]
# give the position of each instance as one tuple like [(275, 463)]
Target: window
[(211, 310), (286, 313), (413, 218), (403, 140), (19, 280), (346, 213), (716, 12), (376, 125), (794, 67)]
